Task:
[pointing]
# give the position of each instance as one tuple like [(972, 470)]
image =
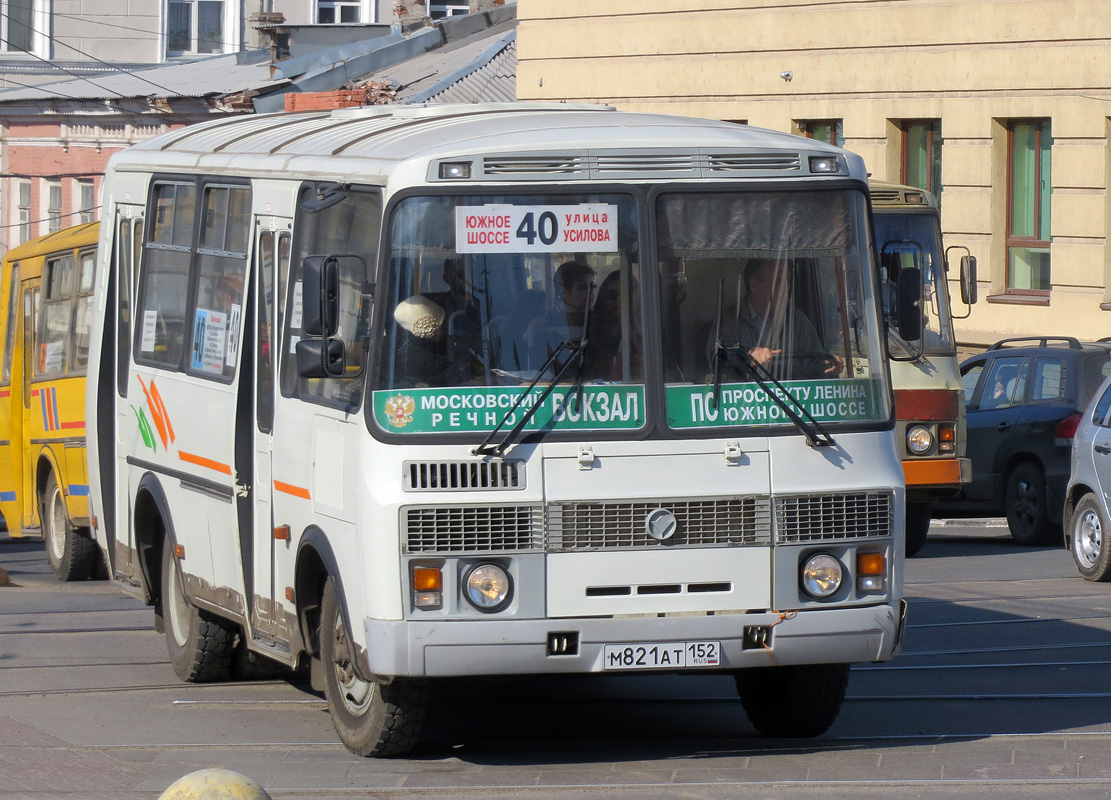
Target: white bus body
[(346, 498), (925, 372)]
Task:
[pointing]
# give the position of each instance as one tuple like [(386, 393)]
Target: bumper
[(520, 647), (948, 473)]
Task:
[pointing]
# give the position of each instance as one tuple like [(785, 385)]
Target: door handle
[(1102, 448), (1004, 426)]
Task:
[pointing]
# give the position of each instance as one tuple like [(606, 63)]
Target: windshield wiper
[(577, 348), (740, 359), (715, 358)]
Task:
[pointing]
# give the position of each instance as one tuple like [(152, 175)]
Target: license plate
[(661, 655)]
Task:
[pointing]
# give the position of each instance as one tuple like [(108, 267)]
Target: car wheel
[(200, 644), (1026, 505), (917, 526), (73, 557), (372, 719), (795, 701), (1089, 532)]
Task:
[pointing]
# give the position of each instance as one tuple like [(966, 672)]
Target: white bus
[(405, 394), (925, 372)]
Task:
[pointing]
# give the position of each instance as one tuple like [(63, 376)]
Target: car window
[(1004, 385), (1049, 380), (1095, 370), (969, 378), (1103, 405)]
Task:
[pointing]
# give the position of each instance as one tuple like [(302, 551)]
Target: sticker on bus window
[(209, 335), (584, 228), (50, 357), (298, 305), (150, 330), (233, 335), (843, 400)]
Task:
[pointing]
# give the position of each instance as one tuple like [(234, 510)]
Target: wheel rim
[(1087, 538), (178, 607), (355, 692), (1026, 503), (56, 519)]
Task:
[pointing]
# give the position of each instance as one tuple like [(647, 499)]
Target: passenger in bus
[(566, 320), (463, 320), (606, 334), (422, 357), (769, 325)]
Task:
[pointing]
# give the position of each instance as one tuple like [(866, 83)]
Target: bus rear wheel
[(372, 719), (73, 557), (798, 701), (200, 644)]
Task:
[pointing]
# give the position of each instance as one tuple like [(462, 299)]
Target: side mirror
[(321, 358), (909, 304), (320, 296), (968, 280)]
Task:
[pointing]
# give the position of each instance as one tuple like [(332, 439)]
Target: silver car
[(1087, 531)]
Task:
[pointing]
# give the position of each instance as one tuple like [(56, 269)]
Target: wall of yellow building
[(973, 64)]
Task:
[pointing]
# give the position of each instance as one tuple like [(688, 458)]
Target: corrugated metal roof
[(218, 75), (494, 80)]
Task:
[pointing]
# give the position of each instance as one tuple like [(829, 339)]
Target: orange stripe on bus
[(940, 472), (288, 488), (77, 424), (201, 461), (157, 397), (156, 413)]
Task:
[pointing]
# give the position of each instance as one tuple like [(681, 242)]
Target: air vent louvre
[(754, 162), (463, 476), (478, 529), (533, 165), (665, 162), (828, 517)]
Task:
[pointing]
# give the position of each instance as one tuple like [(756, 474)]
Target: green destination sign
[(471, 409), (852, 400)]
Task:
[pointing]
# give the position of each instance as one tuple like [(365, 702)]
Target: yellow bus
[(47, 286)]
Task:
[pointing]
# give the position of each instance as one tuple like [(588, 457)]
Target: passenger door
[(1101, 444), (11, 414), (992, 419)]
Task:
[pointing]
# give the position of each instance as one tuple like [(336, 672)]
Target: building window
[(17, 25), (53, 206), (829, 131), (85, 200), (922, 155), (1029, 191), (338, 11), (441, 10), (195, 26), (24, 210)]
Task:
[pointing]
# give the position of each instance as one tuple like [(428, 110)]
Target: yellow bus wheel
[(73, 557)]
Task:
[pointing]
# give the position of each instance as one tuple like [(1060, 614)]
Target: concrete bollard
[(214, 784)]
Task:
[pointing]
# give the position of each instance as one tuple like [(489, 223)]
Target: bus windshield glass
[(909, 239), (772, 284), (501, 291)]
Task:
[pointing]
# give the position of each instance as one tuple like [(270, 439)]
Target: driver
[(767, 323)]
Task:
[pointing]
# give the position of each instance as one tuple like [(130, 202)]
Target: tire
[(917, 526), (372, 719), (799, 701), (249, 666), (1025, 504), (200, 644), (72, 556), (1089, 534)]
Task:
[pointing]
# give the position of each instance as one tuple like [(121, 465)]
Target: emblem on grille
[(660, 524)]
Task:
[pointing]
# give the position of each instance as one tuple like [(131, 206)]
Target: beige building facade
[(1002, 107)]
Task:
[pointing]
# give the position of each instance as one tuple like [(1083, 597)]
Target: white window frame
[(84, 200), (23, 209), (338, 5), (445, 9), (231, 33), (52, 204), (40, 22)]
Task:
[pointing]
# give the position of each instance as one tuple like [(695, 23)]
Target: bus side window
[(264, 257), (50, 352), (164, 282), (124, 251), (9, 333)]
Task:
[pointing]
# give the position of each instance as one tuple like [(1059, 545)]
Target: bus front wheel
[(372, 719), (200, 644), (796, 701), (73, 557)]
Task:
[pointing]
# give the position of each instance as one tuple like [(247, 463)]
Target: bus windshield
[(773, 279), (911, 239)]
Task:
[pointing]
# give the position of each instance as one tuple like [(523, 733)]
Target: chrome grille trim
[(715, 522), (472, 529), (462, 476), (534, 165), (833, 517), (646, 162), (750, 162)]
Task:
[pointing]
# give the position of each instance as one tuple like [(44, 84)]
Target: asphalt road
[(1002, 688)]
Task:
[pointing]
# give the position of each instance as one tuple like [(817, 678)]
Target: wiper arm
[(577, 349), (739, 357), (718, 347)]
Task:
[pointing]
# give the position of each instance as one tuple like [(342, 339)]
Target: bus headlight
[(919, 440), (487, 587), (821, 576)]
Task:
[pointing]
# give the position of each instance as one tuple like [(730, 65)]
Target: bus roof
[(890, 195), (504, 141), (77, 236)]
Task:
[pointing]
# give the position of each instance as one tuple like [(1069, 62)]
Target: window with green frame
[(922, 154), (1029, 192), (829, 131)]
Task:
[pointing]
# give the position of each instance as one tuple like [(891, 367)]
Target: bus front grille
[(724, 522), (475, 529), (455, 476), (828, 517)]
